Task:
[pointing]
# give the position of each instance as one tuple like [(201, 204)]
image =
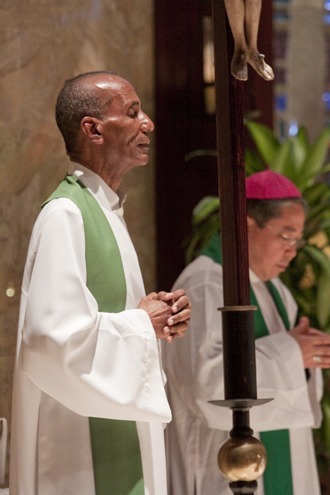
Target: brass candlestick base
[(242, 459)]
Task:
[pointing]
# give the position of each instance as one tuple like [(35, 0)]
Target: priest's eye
[(133, 111), (292, 241)]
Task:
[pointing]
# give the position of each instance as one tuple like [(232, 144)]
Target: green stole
[(278, 474), (115, 445)]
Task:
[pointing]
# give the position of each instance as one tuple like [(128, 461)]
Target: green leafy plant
[(305, 164), (308, 276)]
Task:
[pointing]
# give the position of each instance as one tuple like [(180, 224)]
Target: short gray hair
[(75, 101)]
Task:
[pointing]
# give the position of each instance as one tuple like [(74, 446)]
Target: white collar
[(253, 277), (106, 197)]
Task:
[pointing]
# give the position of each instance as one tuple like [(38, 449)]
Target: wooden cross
[(237, 314)]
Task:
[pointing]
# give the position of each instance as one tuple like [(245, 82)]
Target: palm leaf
[(204, 208), (322, 299), (283, 161), (316, 156), (265, 140), (200, 153)]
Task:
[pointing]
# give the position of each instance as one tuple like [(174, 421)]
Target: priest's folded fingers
[(179, 329), (180, 317)]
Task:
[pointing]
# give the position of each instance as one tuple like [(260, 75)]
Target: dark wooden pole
[(231, 168), (237, 316)]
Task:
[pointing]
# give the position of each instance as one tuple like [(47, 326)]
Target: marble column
[(306, 65)]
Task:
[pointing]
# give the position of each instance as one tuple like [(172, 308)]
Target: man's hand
[(169, 313), (177, 324), (159, 312), (314, 344)]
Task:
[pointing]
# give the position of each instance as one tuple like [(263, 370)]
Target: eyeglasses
[(291, 241), (298, 243)]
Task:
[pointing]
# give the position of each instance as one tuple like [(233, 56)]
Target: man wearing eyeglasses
[(289, 355)]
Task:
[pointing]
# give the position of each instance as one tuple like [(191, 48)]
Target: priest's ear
[(91, 127)]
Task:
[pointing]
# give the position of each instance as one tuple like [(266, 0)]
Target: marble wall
[(42, 43), (306, 65)]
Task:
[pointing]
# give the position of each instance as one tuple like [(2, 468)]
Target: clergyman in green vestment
[(89, 405), (289, 355)]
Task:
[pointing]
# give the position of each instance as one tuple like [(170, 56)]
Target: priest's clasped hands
[(314, 344), (169, 313)]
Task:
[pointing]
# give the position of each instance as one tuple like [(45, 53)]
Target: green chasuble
[(278, 474), (115, 444)]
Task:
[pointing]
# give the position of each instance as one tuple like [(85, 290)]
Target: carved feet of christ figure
[(244, 16)]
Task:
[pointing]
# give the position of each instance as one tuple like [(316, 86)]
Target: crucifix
[(242, 459), (244, 17)]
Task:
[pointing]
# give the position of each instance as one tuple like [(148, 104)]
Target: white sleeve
[(96, 364), (280, 371)]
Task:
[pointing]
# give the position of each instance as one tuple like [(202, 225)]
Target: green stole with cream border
[(278, 474), (115, 445)]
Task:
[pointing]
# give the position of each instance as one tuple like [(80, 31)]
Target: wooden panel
[(183, 126)]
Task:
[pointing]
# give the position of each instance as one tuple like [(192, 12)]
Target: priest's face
[(118, 140), (125, 126), (272, 247)]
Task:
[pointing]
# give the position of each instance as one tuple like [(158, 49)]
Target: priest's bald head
[(103, 125)]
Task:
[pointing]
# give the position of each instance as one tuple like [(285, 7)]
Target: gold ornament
[(242, 459)]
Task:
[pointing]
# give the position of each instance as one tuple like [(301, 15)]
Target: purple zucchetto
[(268, 185)]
